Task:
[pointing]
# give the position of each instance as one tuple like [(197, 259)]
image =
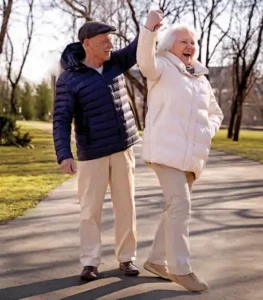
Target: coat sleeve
[(215, 114), (126, 57), (150, 66), (62, 119)]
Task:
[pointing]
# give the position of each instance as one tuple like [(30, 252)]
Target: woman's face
[(184, 46)]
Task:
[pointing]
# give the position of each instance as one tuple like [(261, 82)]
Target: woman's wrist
[(149, 27)]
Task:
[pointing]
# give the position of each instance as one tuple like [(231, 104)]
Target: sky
[(48, 42)]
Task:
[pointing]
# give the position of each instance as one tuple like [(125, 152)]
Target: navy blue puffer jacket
[(103, 119)]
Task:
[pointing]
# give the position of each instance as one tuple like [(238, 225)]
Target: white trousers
[(93, 179), (171, 242)]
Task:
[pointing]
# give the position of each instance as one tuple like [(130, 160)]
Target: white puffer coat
[(183, 114)]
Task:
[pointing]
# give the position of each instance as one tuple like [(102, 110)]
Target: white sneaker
[(190, 282), (159, 270)]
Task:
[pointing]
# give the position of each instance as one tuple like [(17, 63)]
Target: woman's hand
[(154, 20)]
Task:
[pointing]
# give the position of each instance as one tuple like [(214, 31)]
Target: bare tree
[(247, 46), (10, 55), (80, 9), (205, 17), (220, 77), (6, 9)]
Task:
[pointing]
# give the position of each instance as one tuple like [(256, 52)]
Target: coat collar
[(200, 69)]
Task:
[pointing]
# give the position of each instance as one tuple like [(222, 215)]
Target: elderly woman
[(182, 118)]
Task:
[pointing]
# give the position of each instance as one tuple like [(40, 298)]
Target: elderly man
[(92, 91)]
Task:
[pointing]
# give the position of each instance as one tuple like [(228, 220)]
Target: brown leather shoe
[(129, 268), (89, 273)]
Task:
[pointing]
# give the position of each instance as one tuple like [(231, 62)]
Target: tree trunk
[(238, 123), (5, 18), (136, 114), (13, 101), (236, 103), (130, 89), (200, 49), (232, 118), (231, 125)]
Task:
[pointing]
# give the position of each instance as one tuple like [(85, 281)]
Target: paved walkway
[(39, 251)]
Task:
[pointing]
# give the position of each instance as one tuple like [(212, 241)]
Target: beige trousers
[(93, 179), (171, 242)]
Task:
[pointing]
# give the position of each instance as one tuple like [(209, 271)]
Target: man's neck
[(92, 62)]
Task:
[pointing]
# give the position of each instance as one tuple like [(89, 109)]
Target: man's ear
[(86, 43)]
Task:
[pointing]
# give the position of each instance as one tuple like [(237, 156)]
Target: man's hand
[(154, 20), (68, 166)]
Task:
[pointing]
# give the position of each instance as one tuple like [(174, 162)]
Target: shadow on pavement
[(38, 288), (53, 285), (126, 283), (158, 295)]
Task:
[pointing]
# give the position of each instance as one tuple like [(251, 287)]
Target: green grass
[(250, 144), (27, 175)]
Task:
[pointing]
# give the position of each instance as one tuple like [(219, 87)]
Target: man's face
[(100, 46), (184, 46)]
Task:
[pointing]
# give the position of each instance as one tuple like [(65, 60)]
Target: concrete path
[(39, 251), (36, 124)]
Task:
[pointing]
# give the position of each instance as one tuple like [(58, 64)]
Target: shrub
[(10, 134)]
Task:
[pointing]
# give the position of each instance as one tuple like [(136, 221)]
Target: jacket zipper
[(189, 120), (154, 123), (157, 116)]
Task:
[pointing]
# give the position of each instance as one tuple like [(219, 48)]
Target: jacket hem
[(86, 156)]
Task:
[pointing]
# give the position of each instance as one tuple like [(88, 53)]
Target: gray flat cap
[(93, 28)]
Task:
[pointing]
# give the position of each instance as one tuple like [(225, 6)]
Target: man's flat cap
[(93, 28)]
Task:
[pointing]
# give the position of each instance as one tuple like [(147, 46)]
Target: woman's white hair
[(169, 37)]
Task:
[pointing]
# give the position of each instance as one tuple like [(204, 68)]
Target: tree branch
[(136, 23)]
